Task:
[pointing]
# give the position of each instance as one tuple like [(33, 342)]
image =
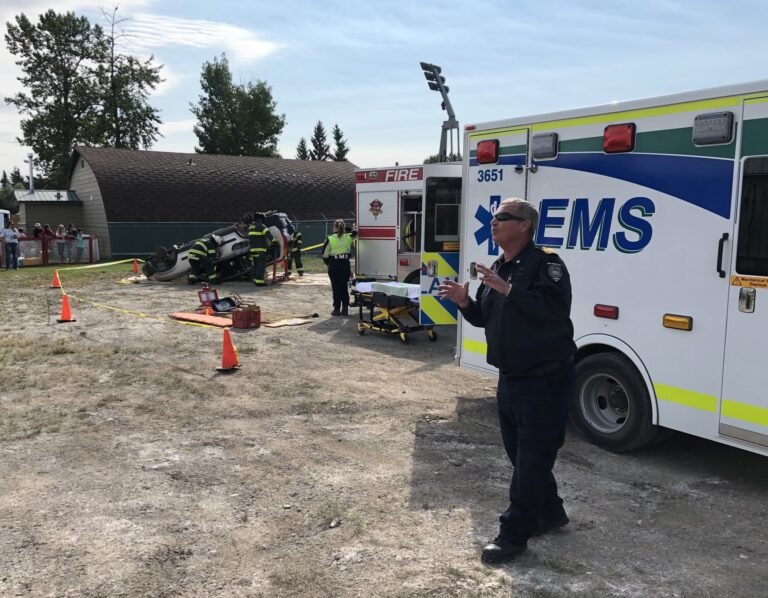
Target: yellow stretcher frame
[(390, 314)]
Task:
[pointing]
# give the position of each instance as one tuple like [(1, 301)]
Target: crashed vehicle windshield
[(232, 255)]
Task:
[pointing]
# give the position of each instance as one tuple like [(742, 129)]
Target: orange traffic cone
[(56, 284), (135, 266), (207, 311), (66, 314), (229, 359)]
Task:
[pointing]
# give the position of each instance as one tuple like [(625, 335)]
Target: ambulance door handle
[(719, 265), (747, 300)]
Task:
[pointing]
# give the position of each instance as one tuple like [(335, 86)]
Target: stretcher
[(389, 307)]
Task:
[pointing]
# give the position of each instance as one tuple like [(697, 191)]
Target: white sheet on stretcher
[(396, 289)]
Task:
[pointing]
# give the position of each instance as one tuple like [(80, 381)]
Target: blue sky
[(356, 63)]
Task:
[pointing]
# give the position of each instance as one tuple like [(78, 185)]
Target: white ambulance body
[(408, 230), (659, 209)]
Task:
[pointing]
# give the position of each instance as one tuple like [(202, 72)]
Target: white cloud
[(173, 127), (154, 31)]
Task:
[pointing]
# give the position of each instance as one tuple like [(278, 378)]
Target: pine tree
[(16, 177), (342, 149), (302, 153), (320, 149), (4, 180)]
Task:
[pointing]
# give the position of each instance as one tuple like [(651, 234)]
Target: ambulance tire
[(610, 404), (413, 277)]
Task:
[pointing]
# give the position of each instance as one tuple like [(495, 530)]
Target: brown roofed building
[(137, 200)]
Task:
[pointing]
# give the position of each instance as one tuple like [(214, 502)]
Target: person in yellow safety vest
[(294, 255), (202, 260), (337, 251), (259, 240)]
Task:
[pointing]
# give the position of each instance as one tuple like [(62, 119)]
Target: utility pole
[(436, 82)]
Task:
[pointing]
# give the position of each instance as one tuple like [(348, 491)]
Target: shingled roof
[(148, 186)]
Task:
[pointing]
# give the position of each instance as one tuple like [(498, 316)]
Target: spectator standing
[(61, 241), (11, 239), (79, 244), (37, 232)]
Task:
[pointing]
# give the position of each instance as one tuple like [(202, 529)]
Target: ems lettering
[(403, 174), (590, 225)]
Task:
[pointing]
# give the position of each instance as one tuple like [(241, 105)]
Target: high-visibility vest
[(338, 247)]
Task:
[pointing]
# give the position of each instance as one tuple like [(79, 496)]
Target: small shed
[(48, 207)]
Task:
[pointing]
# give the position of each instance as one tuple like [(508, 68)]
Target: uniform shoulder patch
[(548, 250), (555, 271)]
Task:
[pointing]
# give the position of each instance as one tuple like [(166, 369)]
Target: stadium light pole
[(436, 82)]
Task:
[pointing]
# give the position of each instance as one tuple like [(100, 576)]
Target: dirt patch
[(331, 464)]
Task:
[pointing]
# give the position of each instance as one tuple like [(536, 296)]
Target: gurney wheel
[(360, 329), (432, 335), (403, 338)]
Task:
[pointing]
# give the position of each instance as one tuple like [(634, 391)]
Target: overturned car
[(232, 255)]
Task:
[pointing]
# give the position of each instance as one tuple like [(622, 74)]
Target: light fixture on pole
[(436, 82)]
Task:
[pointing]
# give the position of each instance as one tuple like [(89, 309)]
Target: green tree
[(7, 199), (302, 153), (320, 149), (238, 120), (126, 119), (56, 57), (449, 158), (16, 177), (342, 149)]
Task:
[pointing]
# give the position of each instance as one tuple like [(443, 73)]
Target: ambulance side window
[(752, 250), (442, 213)]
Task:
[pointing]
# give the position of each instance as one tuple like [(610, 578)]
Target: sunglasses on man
[(503, 216)]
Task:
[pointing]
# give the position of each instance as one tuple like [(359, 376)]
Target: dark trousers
[(338, 272), (11, 256), (259, 266), (202, 270), (533, 412), (295, 257)]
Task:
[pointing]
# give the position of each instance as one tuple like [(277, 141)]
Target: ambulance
[(659, 209), (408, 230)]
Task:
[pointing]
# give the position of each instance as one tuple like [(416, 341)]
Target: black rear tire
[(610, 404)]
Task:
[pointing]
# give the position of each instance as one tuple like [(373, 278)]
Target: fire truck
[(408, 230)]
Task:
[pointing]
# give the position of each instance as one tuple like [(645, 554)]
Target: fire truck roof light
[(619, 138), (470, 127), (488, 151), (607, 311)]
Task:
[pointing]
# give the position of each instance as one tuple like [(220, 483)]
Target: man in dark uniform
[(294, 253), (259, 240), (524, 304), (202, 260)]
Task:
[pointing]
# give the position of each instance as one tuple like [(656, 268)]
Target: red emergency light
[(619, 138), (607, 311), (488, 151)]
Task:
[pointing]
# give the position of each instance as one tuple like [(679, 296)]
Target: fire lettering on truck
[(402, 174), (586, 227)]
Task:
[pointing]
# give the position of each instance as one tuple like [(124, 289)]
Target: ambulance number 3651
[(490, 175)]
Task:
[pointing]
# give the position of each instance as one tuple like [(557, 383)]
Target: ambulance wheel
[(610, 405), (413, 278), (432, 335), (403, 338), (360, 329)]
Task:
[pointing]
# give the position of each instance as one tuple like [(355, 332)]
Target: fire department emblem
[(376, 208)]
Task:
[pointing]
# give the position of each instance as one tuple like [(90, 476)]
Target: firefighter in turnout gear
[(259, 241), (294, 254), (202, 260)]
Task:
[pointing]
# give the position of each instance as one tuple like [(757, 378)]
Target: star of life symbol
[(484, 216), (376, 208)]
